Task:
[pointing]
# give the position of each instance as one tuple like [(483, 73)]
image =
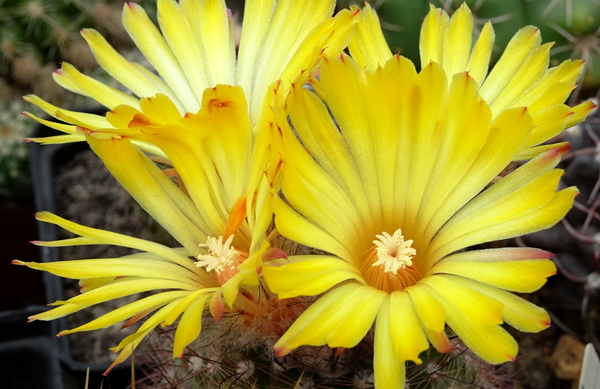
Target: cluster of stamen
[(393, 252), (220, 256)]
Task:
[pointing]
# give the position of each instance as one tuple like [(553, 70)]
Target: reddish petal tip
[(282, 351)]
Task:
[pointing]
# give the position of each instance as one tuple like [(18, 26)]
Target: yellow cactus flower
[(393, 178), (205, 116), (520, 78)]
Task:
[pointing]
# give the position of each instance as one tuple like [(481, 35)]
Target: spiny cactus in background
[(14, 163), (238, 352), (36, 35), (574, 26)]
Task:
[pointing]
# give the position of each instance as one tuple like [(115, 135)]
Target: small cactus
[(36, 35), (14, 163), (237, 352)]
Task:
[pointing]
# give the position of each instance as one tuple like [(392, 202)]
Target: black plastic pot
[(28, 357)]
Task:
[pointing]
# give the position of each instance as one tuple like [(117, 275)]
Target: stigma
[(221, 256), (393, 252)]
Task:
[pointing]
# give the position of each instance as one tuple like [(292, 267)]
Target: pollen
[(220, 256), (393, 252)]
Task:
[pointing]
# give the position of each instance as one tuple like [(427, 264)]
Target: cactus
[(14, 164), (574, 26), (36, 35), (237, 352), (221, 361)]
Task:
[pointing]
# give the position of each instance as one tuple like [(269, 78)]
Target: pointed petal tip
[(17, 262), (547, 324), (282, 351)]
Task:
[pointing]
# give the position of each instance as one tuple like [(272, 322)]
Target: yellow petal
[(324, 142), (188, 48), (153, 190), (479, 60), (476, 308), (517, 312), (408, 338), (368, 46), (126, 286), (90, 120), (465, 127), (189, 326), (389, 371), (299, 229), (284, 40), (520, 47), (308, 275), (124, 71), (345, 90), (432, 36), (523, 276), (248, 273), (566, 74), (581, 111), (322, 202), (152, 44), (532, 70), (457, 41), (490, 342), (115, 316), (428, 309), (129, 344), (141, 265), (107, 237), (508, 199), (71, 79), (340, 318), (541, 218), (548, 124)]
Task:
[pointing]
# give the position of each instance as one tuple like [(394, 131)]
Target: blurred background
[(36, 35)]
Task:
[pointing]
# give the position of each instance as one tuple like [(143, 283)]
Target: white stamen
[(393, 252), (220, 255)]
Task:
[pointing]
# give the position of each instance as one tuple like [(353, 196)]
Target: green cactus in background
[(14, 163), (36, 35), (574, 26)]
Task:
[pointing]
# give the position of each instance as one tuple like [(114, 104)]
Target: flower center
[(220, 256), (393, 252), (391, 263)]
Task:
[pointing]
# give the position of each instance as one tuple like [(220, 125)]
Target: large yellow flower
[(393, 178), (205, 116), (520, 78)]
